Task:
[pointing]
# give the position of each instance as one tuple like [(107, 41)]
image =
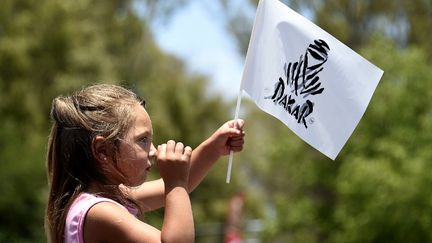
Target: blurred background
[(282, 190)]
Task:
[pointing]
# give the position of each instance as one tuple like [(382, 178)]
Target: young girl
[(99, 154)]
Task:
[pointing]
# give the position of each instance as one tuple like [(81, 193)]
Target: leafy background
[(377, 190)]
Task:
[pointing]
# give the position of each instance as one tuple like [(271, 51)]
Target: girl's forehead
[(142, 122)]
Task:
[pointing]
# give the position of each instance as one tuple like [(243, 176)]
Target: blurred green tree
[(375, 191), (352, 22)]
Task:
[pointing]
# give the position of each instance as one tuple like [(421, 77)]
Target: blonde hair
[(99, 110)]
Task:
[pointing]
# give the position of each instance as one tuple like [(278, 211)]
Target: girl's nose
[(152, 154)]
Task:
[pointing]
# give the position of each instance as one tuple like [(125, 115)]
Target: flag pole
[(231, 155), (230, 160)]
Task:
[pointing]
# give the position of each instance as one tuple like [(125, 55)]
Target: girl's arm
[(108, 222), (229, 136)]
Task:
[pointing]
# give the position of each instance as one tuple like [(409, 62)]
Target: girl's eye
[(145, 141)]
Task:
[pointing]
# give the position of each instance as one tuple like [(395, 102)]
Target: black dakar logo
[(301, 81)]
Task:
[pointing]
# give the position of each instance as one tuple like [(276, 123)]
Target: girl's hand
[(230, 136), (173, 162)]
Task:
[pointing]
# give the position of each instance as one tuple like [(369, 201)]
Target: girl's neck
[(94, 188)]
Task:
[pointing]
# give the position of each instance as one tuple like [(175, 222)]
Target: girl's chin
[(140, 181)]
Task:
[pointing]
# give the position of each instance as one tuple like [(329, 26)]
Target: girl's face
[(136, 148)]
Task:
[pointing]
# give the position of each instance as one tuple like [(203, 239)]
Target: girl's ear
[(100, 149)]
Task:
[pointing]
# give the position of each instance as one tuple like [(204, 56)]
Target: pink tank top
[(77, 213)]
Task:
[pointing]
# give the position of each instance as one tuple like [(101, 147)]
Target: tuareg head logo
[(301, 80)]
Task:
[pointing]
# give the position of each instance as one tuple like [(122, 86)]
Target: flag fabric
[(306, 78)]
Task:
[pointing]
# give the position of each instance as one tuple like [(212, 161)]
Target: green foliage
[(376, 190), (383, 180), (23, 184)]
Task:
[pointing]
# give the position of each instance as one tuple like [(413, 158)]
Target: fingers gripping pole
[(231, 155)]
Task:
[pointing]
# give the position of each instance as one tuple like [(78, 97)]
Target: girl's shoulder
[(79, 211), (107, 222)]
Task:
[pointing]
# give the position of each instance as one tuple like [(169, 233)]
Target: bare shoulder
[(109, 222)]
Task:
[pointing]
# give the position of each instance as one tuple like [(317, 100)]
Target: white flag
[(306, 78)]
